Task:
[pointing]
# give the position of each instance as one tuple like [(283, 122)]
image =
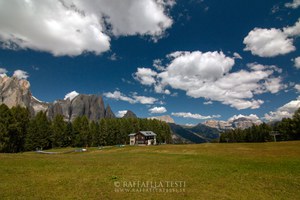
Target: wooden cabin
[(142, 138)]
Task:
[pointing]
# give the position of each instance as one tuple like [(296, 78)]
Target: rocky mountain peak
[(129, 114), (14, 91), (109, 113)]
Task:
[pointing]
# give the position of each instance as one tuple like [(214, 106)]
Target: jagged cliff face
[(91, 106), (109, 113), (14, 91), (244, 123), (129, 114), (241, 123)]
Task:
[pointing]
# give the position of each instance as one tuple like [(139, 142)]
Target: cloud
[(121, 113), (286, 111), (208, 103), (191, 125), (157, 110), (207, 66), (35, 68), (268, 42), (157, 63), (72, 27), (208, 75), (144, 100), (145, 76), (20, 74), (193, 116), (272, 42), (297, 62), (3, 71), (132, 17), (71, 95), (295, 4), (237, 55), (117, 95), (297, 87), (259, 67), (292, 30), (113, 57), (254, 118)]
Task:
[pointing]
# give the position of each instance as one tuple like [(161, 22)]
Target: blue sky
[(194, 60)]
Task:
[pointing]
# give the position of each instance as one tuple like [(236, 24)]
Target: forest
[(20, 132), (287, 129)]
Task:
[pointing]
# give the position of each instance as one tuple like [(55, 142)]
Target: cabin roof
[(148, 133), (145, 133)]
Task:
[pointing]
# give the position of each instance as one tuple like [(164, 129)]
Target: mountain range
[(207, 131), (14, 91)]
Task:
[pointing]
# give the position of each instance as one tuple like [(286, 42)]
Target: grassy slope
[(211, 171)]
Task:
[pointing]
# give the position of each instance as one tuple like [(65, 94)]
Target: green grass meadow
[(209, 171)]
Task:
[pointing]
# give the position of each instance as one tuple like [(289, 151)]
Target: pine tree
[(81, 131), (102, 135), (18, 128), (39, 133), (5, 121), (94, 130), (295, 133), (60, 137)]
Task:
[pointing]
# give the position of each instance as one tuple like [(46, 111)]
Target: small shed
[(143, 137)]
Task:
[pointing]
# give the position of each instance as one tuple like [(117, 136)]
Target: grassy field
[(205, 171)]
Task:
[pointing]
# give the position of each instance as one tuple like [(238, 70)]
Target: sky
[(194, 60)]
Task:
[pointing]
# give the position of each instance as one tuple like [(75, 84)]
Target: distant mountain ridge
[(205, 131), (164, 118), (238, 122), (186, 134)]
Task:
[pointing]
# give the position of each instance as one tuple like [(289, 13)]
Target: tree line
[(288, 129), (20, 132)]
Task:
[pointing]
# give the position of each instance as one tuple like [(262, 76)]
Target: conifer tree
[(60, 137), (39, 133)]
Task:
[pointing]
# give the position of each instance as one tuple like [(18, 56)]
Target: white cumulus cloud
[(208, 75), (237, 55), (268, 42), (297, 62), (297, 87), (117, 95), (144, 99), (72, 27), (157, 110), (294, 4), (3, 71), (193, 116), (272, 42), (121, 113), (20, 74), (145, 76), (292, 30), (133, 99), (285, 111), (254, 118), (71, 95)]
